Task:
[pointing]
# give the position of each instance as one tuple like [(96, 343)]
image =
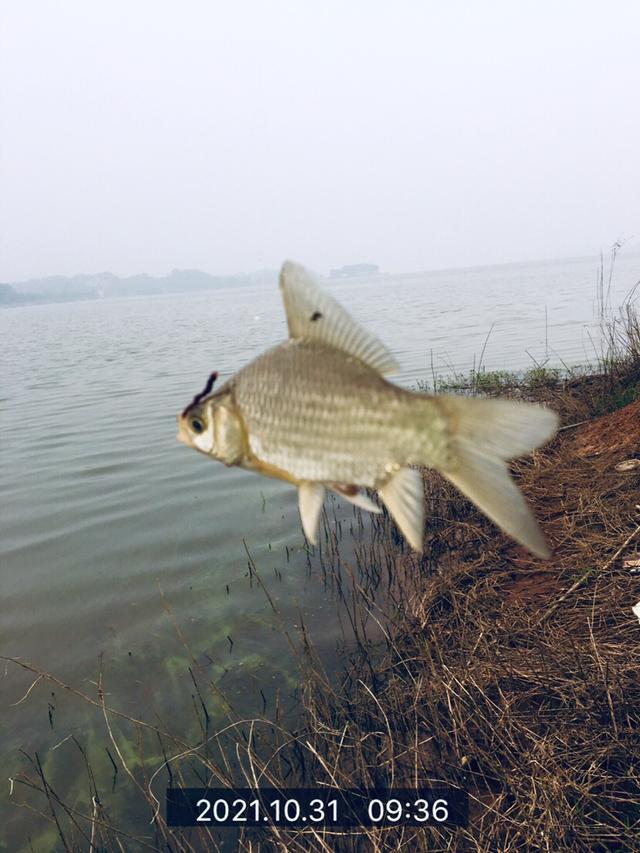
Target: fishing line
[(198, 397)]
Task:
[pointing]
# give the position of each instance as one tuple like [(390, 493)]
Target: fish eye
[(196, 425)]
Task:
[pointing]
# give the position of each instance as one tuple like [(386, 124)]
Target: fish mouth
[(182, 435)]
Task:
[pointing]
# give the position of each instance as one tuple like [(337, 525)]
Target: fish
[(317, 411)]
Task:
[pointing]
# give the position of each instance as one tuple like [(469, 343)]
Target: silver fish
[(317, 412)]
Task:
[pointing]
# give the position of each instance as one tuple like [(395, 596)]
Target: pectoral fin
[(314, 315), (403, 495), (310, 499), (355, 496)]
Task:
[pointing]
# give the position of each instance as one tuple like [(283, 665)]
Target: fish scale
[(321, 416)]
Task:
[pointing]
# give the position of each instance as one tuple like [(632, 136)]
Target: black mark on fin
[(315, 316)]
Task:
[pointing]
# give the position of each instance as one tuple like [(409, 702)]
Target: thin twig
[(583, 577), (20, 701)]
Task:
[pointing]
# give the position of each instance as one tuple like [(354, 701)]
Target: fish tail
[(484, 435)]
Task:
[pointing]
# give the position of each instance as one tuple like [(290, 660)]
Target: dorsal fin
[(314, 315)]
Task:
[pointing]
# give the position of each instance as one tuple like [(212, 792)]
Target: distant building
[(351, 270)]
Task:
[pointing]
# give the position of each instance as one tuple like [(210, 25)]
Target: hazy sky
[(142, 136)]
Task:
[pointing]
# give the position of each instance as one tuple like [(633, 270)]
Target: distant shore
[(107, 285)]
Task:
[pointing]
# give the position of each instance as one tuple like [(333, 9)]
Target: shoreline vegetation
[(472, 665)]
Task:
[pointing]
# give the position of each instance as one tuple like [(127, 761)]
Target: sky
[(227, 136)]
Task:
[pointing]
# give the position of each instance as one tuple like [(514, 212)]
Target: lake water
[(108, 523)]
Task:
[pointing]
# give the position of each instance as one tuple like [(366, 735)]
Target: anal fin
[(403, 495)]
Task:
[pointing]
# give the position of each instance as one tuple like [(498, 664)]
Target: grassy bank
[(513, 678), (473, 665)]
